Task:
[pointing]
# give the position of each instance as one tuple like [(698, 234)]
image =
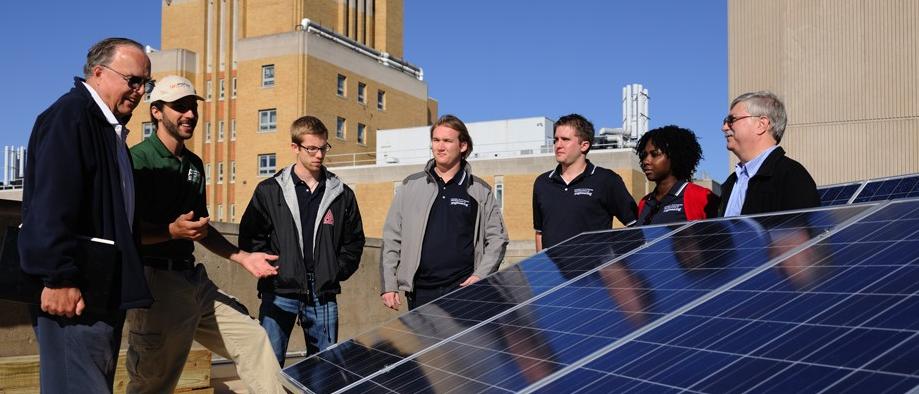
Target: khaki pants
[(189, 306)]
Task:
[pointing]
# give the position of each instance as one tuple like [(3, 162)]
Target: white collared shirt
[(124, 163)]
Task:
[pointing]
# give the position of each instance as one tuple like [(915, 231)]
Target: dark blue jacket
[(72, 188)]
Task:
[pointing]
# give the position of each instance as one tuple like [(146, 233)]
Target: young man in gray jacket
[(444, 229)]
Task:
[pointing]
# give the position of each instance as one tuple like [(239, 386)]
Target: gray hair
[(102, 52), (766, 103)]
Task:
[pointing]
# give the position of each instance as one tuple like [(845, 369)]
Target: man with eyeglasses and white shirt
[(79, 185), (764, 180), (309, 218)]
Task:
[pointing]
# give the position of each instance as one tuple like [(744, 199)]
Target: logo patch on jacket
[(459, 201), (193, 175), (584, 191), (328, 219), (673, 208)]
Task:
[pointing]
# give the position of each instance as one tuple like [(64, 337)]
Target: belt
[(170, 264)]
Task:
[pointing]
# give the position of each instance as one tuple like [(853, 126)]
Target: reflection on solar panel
[(889, 189), (837, 194), (790, 302)]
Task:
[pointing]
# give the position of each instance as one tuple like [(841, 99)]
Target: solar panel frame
[(874, 189), (841, 190)]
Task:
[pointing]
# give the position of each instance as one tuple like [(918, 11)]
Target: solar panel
[(590, 299), (837, 194), (889, 189), (841, 315)]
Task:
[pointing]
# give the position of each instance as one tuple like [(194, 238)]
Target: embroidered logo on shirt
[(193, 175), (459, 201), (328, 219), (673, 208), (584, 191)]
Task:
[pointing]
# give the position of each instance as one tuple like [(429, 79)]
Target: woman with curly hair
[(669, 156)]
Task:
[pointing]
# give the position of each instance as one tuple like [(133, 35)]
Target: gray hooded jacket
[(403, 232)]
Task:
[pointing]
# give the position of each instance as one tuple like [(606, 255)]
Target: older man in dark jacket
[(79, 186), (765, 180)]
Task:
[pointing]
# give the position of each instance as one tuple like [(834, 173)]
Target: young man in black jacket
[(765, 180), (310, 218)]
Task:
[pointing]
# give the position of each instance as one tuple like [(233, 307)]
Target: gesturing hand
[(186, 228)]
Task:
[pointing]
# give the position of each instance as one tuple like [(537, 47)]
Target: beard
[(173, 129)]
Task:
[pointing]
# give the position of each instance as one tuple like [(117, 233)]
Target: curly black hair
[(679, 144)]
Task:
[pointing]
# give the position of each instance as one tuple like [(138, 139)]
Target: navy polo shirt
[(309, 208), (669, 209), (588, 203), (447, 251)]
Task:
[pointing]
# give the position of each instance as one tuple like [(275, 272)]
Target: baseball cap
[(172, 88)]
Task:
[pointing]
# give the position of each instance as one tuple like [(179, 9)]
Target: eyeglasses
[(730, 119), (313, 149), (134, 81)]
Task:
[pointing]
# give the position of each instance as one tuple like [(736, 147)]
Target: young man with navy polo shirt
[(444, 229), (577, 196)]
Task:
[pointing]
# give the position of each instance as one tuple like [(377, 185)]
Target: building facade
[(847, 72), (261, 64)]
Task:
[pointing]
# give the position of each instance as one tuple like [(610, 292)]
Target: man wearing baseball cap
[(188, 306)]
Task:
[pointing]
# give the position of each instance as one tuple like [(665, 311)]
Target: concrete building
[(847, 72), (14, 166), (263, 63), (492, 140)]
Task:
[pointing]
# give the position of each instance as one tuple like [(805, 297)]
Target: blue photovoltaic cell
[(641, 310), (889, 189), (841, 315), (837, 195)]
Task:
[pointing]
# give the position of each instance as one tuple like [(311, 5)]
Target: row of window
[(221, 88), (208, 168), (220, 217), (342, 89), (267, 122)]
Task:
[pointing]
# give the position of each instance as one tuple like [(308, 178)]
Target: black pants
[(77, 355), (424, 295)]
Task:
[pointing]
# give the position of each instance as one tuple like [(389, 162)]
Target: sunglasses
[(134, 82), (730, 119)]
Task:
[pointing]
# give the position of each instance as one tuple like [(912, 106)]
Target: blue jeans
[(318, 317)]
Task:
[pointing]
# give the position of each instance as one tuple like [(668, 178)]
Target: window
[(148, 129), (340, 128), (232, 129), (220, 131), (361, 90), (266, 164), (381, 100), (207, 173), (267, 120), (341, 85), (207, 132), (233, 171), (219, 212), (232, 212), (207, 90), (268, 75), (220, 173), (221, 87), (233, 88), (361, 131), (499, 191)]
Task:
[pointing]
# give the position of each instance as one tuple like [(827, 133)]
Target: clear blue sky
[(482, 60)]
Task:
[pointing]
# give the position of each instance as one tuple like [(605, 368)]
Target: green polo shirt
[(167, 186)]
